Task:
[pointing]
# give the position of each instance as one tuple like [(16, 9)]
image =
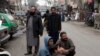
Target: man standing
[(54, 24), (34, 29)]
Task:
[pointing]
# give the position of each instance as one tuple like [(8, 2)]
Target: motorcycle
[(89, 20)]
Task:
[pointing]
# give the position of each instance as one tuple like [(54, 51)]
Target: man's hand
[(41, 34), (62, 50), (59, 51), (65, 51)]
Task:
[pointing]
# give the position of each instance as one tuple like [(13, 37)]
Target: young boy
[(47, 50)]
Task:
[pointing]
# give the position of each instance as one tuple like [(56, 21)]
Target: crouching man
[(65, 45)]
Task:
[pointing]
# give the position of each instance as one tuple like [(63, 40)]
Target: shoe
[(28, 53), (35, 54)]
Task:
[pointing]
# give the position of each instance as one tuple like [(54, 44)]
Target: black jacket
[(54, 23), (37, 24)]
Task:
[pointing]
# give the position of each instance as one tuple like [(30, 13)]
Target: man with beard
[(54, 24), (65, 45), (34, 29)]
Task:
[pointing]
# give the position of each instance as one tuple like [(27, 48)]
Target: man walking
[(54, 24), (34, 29)]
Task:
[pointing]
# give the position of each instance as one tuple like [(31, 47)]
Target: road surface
[(86, 39)]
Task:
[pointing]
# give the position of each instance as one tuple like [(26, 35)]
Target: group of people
[(53, 45)]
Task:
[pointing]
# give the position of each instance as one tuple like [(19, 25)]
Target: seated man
[(47, 50), (65, 45)]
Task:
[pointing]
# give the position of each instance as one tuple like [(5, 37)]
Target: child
[(47, 50)]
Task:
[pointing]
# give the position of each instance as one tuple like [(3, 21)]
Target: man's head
[(63, 36), (53, 10), (33, 9)]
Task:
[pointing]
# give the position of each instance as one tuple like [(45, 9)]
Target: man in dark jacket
[(54, 24), (66, 45), (34, 29)]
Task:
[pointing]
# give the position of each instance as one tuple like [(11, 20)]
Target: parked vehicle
[(4, 36), (89, 19), (4, 52), (8, 20)]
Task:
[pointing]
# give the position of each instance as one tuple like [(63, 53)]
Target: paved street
[(86, 39)]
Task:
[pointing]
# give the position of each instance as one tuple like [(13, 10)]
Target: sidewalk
[(82, 25)]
